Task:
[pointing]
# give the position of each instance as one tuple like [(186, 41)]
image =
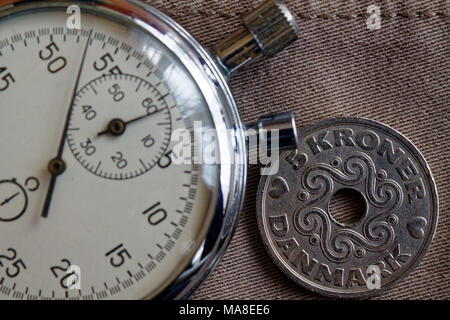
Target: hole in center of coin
[(347, 206)]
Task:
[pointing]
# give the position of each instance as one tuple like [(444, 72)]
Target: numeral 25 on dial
[(17, 265)]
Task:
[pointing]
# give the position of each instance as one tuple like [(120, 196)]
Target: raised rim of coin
[(434, 212)]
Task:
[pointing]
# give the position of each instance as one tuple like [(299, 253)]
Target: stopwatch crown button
[(267, 30), (272, 26)]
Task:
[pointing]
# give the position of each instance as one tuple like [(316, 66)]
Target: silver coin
[(340, 259)]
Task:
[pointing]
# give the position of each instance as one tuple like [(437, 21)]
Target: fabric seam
[(326, 15)]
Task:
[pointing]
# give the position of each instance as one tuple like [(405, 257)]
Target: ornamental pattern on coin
[(397, 224)]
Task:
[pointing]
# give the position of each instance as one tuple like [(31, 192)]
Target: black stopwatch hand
[(56, 166), (116, 127)]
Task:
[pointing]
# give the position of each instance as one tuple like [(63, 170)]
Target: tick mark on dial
[(163, 97), (98, 166), (143, 164), (139, 85), (93, 89)]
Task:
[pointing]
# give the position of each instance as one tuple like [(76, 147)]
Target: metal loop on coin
[(397, 225)]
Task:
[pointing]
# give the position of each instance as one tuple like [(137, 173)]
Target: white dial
[(127, 238)]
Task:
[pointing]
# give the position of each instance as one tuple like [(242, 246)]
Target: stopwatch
[(105, 187)]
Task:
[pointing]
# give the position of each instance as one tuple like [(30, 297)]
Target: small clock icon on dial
[(13, 200)]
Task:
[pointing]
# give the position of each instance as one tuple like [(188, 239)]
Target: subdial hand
[(117, 127), (9, 199), (57, 166)]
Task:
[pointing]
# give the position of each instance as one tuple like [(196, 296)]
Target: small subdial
[(120, 126)]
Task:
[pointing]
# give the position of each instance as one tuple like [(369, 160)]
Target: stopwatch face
[(122, 220)]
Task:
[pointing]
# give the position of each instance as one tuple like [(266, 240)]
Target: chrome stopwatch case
[(123, 158)]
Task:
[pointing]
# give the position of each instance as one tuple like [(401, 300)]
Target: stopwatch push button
[(276, 132)]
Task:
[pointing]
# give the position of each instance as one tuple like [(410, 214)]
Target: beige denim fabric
[(398, 75)]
